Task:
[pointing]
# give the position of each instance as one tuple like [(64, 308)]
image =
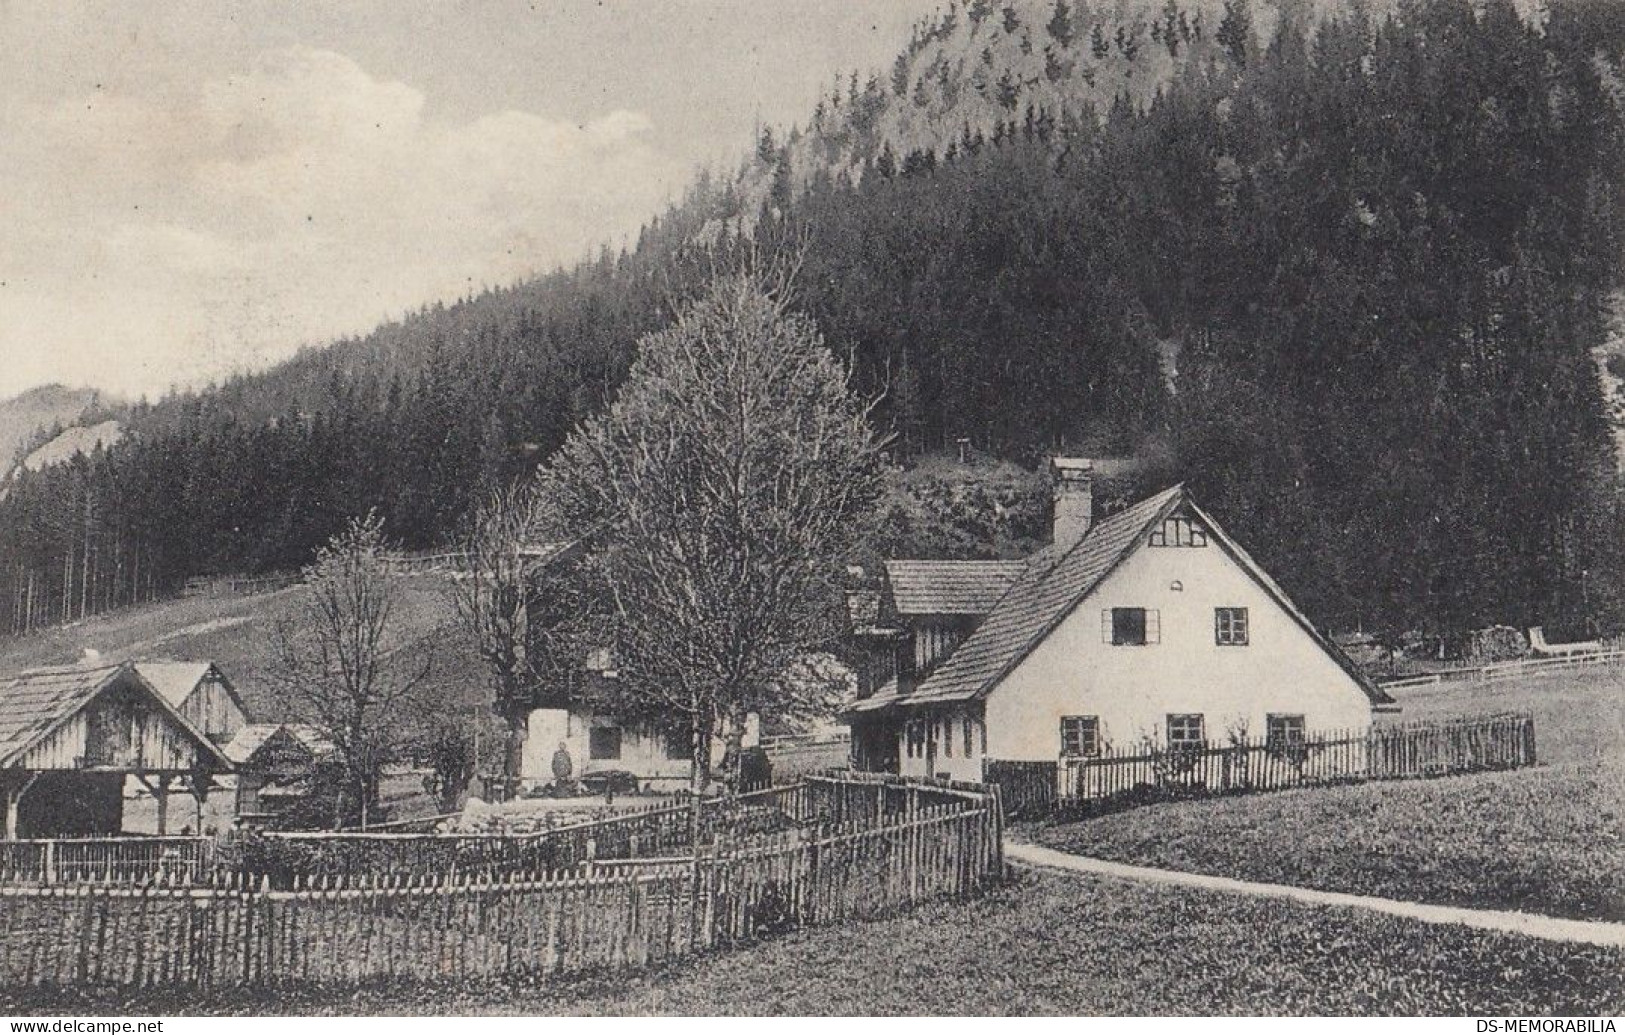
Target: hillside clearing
[(236, 633), (1549, 840)]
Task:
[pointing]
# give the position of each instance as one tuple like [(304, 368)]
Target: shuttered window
[(1130, 626)]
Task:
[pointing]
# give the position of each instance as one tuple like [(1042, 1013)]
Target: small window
[(1185, 733), (1131, 626), (1284, 733), (1230, 626), (604, 743), (1080, 736), (970, 743), (679, 745), (947, 737)]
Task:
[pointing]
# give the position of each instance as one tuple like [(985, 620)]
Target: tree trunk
[(733, 755)]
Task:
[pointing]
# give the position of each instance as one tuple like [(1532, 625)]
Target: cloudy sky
[(192, 187)]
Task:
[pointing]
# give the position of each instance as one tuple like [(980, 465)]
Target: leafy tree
[(732, 475)]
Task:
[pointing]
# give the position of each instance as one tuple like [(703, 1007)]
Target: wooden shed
[(70, 736), (275, 763)]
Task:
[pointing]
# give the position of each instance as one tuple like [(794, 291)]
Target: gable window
[(1230, 626), (1130, 626), (970, 744), (1185, 733), (1080, 736), (1284, 734), (604, 743), (1178, 531)]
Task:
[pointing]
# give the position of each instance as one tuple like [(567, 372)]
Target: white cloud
[(302, 199)]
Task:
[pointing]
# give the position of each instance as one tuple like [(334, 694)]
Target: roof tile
[(950, 587)]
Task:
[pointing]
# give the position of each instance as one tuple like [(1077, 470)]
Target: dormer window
[(1178, 531)]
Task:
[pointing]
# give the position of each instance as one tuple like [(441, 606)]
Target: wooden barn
[(69, 737)]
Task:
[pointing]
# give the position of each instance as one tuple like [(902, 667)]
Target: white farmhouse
[(1151, 626)]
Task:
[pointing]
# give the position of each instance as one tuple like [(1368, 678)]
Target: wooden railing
[(1504, 670), (1117, 778), (616, 915), (109, 860)]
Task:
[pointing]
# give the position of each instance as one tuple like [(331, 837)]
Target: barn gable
[(200, 691), (105, 717)]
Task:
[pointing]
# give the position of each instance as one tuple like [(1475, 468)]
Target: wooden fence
[(108, 860), (1505, 670), (1116, 778), (621, 914)]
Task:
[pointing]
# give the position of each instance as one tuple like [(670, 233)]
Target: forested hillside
[(1342, 272)]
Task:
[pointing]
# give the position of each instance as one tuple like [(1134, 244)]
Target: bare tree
[(733, 476), (338, 661)]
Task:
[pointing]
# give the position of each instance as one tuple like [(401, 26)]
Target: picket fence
[(1116, 778), (108, 860), (608, 915)]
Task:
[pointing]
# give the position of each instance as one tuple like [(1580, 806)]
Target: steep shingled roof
[(1035, 604), (254, 736), (174, 679), (950, 587), (35, 702)]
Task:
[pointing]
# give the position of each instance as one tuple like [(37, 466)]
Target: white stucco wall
[(642, 753), (1133, 689)]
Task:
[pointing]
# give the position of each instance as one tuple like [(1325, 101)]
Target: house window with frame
[(604, 743), (1285, 734), (1186, 733), (970, 742), (1131, 626), (1080, 736), (1230, 626), (947, 737)]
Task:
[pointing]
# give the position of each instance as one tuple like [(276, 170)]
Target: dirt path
[(1551, 928)]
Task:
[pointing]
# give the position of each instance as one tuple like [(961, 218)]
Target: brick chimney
[(1074, 500)]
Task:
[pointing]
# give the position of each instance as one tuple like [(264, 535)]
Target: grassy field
[(1053, 944), (1544, 840)]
